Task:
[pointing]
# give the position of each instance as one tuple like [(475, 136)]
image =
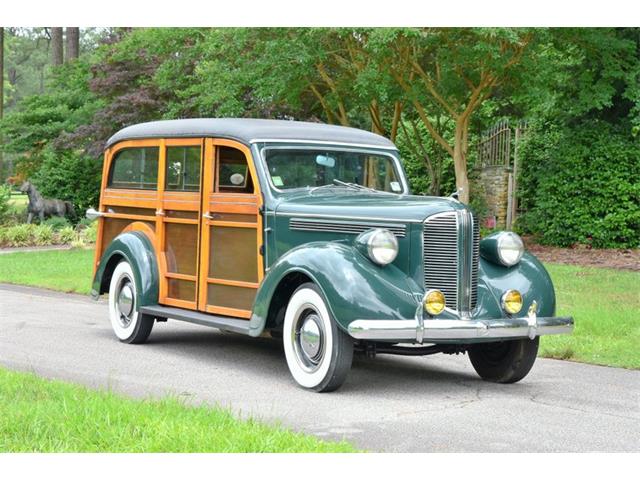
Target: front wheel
[(129, 325), (504, 362), (318, 353)]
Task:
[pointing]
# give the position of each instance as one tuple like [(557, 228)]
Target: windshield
[(299, 168)]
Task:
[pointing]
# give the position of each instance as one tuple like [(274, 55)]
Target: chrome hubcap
[(309, 340), (310, 336), (125, 302)]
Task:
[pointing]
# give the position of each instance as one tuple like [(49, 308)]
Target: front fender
[(353, 286), (529, 277), (136, 248)]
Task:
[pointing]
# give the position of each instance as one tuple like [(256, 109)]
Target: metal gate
[(498, 149)]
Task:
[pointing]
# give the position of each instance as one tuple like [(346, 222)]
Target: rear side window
[(183, 169), (135, 168)]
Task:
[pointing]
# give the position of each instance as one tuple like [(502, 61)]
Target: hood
[(365, 205)]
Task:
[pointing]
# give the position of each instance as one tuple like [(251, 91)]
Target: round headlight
[(434, 302), (512, 302), (382, 246), (510, 248)]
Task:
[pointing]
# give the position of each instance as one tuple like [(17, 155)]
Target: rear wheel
[(129, 325), (318, 353), (504, 362)]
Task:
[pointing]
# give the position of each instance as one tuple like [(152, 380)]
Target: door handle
[(210, 216)]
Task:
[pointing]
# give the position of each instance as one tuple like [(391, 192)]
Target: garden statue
[(44, 206)]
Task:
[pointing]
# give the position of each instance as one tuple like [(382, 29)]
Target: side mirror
[(92, 214)]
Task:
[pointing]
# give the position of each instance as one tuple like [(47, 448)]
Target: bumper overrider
[(432, 330)]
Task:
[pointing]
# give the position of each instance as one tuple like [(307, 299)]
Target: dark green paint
[(135, 248), (354, 287)]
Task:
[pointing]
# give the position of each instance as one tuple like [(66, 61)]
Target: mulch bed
[(623, 259)]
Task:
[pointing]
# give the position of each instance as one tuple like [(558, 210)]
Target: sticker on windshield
[(395, 186), (277, 181)]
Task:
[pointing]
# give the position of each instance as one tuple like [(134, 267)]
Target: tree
[(450, 72), (1, 96), (73, 43), (57, 55)]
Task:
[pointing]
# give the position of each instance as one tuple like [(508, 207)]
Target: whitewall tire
[(318, 353), (128, 324)]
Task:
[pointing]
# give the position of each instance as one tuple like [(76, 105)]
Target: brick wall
[(495, 181)]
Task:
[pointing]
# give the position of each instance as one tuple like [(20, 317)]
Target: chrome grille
[(446, 237), (474, 264), (440, 255)]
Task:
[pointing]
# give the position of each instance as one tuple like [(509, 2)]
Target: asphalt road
[(395, 404)]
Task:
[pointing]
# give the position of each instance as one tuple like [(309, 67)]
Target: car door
[(231, 265)]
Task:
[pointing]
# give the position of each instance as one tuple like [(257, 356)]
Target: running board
[(208, 320)]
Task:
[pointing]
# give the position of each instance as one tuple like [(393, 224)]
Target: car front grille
[(450, 254)]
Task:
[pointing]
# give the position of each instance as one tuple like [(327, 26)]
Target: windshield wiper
[(337, 183), (355, 186)]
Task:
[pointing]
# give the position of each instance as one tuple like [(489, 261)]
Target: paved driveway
[(399, 404)]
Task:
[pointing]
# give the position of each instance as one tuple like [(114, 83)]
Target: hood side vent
[(355, 228)]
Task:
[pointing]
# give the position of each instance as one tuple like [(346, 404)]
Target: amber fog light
[(434, 302), (512, 302)]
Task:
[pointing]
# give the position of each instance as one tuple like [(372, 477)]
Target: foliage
[(70, 176), (57, 223), (5, 202), (32, 235), (429, 89), (581, 185)]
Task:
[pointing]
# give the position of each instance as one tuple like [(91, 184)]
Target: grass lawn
[(64, 270), (605, 303), (19, 202), (38, 415)]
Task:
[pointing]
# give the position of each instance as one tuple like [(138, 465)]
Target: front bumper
[(432, 330)]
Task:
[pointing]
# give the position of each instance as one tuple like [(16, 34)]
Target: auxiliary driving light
[(512, 302), (434, 302)]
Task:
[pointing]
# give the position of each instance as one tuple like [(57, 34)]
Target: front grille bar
[(450, 258)]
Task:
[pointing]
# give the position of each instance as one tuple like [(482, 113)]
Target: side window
[(233, 172), (183, 169), (135, 168)]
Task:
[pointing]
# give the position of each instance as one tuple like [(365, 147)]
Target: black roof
[(251, 130)]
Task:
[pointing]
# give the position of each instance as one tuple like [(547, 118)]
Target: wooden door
[(178, 225), (231, 266)]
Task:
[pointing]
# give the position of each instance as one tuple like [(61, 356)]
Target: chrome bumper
[(433, 330)]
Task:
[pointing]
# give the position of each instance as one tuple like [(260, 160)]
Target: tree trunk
[(73, 43), (460, 161), (57, 55), (1, 99)]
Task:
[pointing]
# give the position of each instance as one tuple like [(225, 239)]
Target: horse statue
[(44, 206)]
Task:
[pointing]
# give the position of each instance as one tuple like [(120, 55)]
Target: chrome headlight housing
[(503, 248), (510, 248), (379, 244)]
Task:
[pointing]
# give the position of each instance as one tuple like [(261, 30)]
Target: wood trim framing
[(162, 201)]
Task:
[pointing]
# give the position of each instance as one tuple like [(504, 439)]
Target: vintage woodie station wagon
[(309, 233)]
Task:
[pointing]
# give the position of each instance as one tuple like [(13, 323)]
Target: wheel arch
[(351, 284), (136, 248)]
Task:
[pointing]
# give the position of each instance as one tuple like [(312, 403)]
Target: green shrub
[(70, 176), (5, 206), (18, 235), (42, 235), (91, 233), (66, 235), (581, 185), (57, 223)]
